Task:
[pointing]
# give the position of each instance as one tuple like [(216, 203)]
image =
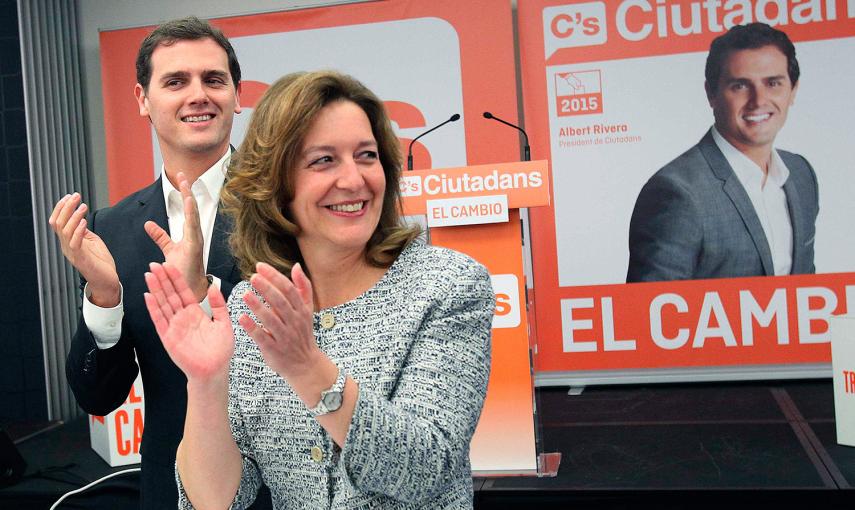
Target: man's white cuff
[(105, 324)]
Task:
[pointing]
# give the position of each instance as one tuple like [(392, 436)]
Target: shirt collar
[(746, 170), (210, 182)]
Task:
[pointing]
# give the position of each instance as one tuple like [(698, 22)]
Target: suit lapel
[(737, 194), (151, 207), (796, 210), (220, 260)]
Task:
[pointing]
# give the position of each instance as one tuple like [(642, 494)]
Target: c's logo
[(567, 26), (411, 185)]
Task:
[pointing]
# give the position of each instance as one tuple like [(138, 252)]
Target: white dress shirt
[(106, 323), (766, 191)]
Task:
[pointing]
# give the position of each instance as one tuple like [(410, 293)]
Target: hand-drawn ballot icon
[(578, 92)]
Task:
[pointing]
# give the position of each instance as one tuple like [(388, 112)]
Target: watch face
[(332, 400)]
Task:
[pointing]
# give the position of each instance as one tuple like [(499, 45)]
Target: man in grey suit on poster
[(732, 205)]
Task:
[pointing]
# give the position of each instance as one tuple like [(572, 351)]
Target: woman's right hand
[(199, 345)]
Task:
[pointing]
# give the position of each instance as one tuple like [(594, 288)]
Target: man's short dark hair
[(748, 37), (184, 29)]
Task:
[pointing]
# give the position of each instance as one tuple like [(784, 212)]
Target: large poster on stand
[(427, 60), (613, 92)]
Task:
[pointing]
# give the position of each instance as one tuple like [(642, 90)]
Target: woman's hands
[(286, 339), (202, 346), (208, 459), (199, 345), (285, 336)]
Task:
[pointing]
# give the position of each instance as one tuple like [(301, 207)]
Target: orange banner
[(505, 434), (620, 29), (695, 323), (470, 69), (526, 184), (613, 90)]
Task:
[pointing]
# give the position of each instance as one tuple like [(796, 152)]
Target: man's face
[(191, 99), (753, 96)]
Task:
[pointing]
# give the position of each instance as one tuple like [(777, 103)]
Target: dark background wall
[(22, 375)]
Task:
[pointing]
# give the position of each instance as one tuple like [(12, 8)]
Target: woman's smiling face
[(339, 182)]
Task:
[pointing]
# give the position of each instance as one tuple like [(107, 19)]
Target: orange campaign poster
[(613, 92), (427, 60)]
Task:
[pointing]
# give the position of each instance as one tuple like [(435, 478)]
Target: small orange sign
[(526, 184)]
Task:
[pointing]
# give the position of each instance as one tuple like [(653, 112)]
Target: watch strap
[(337, 387)]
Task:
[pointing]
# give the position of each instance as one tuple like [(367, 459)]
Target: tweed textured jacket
[(418, 345)]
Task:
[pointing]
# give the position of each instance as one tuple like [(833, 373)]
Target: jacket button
[(327, 320), (317, 454)]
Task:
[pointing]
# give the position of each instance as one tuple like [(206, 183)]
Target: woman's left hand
[(285, 335)]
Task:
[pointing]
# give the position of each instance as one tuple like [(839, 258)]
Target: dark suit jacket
[(693, 220), (101, 379)]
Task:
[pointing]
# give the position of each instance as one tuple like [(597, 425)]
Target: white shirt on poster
[(766, 192)]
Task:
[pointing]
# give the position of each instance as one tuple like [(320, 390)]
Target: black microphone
[(526, 149), (453, 118)]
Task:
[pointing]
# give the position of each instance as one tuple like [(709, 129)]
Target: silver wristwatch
[(331, 398)]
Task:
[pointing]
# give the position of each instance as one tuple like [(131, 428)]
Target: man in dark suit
[(732, 205), (188, 86)]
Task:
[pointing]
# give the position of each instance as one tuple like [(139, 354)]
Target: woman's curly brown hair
[(260, 184)]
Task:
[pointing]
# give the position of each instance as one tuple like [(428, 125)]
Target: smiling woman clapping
[(356, 381)]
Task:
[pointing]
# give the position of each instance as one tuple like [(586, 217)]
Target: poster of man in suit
[(733, 205), (702, 184)]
